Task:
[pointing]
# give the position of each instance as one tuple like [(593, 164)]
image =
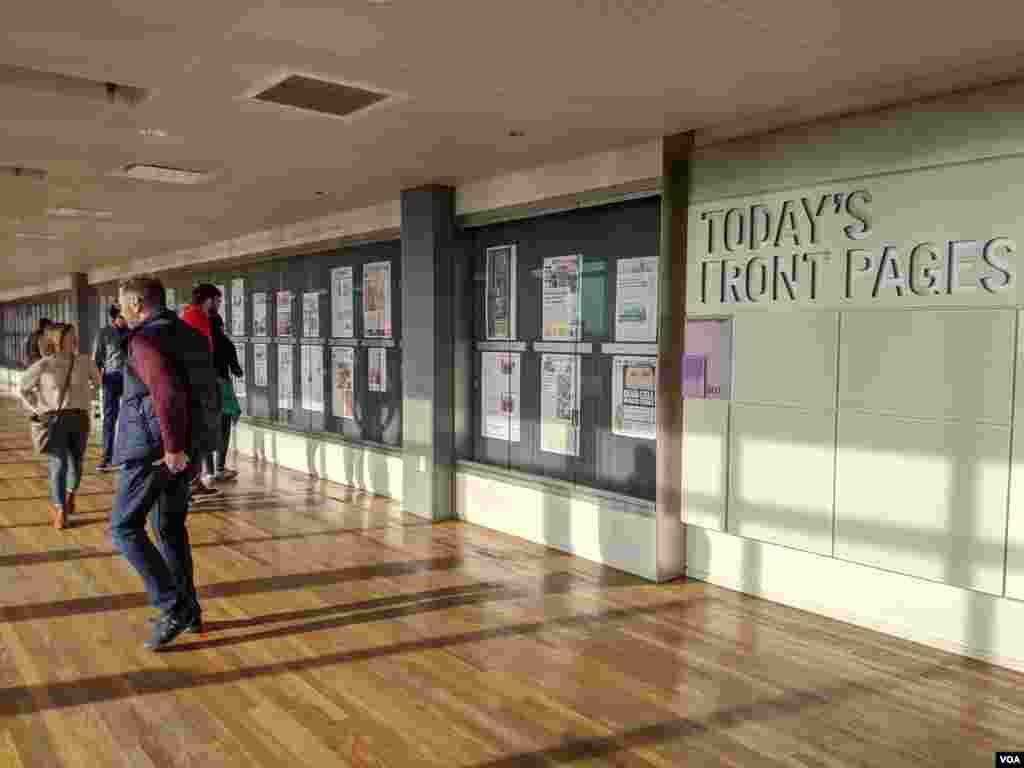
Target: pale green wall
[(874, 429)]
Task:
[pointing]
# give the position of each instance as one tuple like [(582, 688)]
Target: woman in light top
[(40, 389)]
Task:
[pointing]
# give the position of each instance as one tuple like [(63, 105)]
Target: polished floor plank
[(343, 632)]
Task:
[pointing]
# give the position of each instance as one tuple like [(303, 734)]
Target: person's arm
[(28, 387), (100, 355), (170, 400), (94, 372)]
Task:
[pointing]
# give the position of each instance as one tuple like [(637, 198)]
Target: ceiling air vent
[(317, 95), (71, 85), (162, 173), (35, 174)]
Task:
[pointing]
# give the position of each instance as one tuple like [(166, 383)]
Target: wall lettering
[(735, 269)]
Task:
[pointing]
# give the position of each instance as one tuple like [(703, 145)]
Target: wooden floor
[(344, 633)]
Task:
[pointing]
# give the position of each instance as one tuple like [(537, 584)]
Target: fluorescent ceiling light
[(162, 173), (78, 213), (36, 236)]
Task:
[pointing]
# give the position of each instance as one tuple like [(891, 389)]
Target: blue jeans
[(166, 568), (66, 471), (113, 388)]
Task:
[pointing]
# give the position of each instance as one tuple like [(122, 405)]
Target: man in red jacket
[(197, 315)]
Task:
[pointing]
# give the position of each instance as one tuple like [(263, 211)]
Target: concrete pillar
[(671, 533), (430, 254)]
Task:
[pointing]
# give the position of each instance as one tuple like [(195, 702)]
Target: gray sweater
[(40, 384)]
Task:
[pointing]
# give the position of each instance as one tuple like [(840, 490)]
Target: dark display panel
[(366, 415), (601, 236)]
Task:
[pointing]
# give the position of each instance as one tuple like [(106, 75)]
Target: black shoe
[(195, 628), (167, 628)]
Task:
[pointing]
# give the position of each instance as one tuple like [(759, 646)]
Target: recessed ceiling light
[(36, 236), (78, 213), (162, 173), (154, 133)]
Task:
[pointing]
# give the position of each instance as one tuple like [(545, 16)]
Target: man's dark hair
[(114, 311), (44, 323), (147, 288), (204, 291)]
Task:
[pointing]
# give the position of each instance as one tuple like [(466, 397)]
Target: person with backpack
[(197, 315), (58, 391), (109, 358), (170, 415), (225, 360)]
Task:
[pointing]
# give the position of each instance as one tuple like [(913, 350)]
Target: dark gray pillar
[(80, 304), (675, 178), (429, 257)]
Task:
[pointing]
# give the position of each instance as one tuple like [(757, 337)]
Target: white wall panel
[(786, 358), (705, 462), (923, 498), (781, 470), (929, 363)]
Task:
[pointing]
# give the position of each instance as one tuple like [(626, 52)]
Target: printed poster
[(377, 369), (238, 307), (501, 292), (559, 404), (707, 361), (561, 298), (634, 396), (313, 378), (343, 379), (500, 395), (259, 365), (343, 313), (377, 300), (284, 313), (259, 316), (240, 390), (285, 377), (311, 315), (636, 299), (171, 296), (223, 293)]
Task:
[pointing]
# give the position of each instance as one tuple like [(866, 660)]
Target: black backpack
[(195, 366)]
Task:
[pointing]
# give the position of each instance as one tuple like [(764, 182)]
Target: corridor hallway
[(342, 632)]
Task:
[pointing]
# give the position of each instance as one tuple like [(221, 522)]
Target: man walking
[(170, 412), (109, 358)]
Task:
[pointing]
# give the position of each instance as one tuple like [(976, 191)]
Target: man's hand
[(176, 462)]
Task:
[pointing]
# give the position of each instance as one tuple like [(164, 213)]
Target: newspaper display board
[(259, 316), (499, 395), (377, 300), (377, 369), (285, 377), (343, 382), (238, 307), (284, 313), (636, 299), (259, 365), (561, 298), (559, 404), (634, 397), (342, 304), (500, 306)]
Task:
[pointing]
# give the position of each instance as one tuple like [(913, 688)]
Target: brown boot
[(59, 515), (69, 506)]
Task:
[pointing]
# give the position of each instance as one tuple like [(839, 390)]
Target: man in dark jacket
[(109, 358), (170, 411), (32, 350)]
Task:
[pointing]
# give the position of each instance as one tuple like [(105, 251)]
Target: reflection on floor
[(343, 632)]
